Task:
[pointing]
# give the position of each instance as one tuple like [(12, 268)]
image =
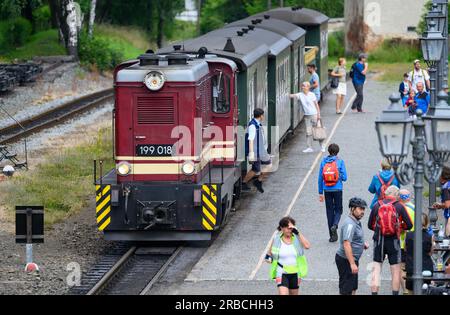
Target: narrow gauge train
[(175, 177)]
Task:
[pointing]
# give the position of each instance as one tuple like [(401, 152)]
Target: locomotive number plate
[(154, 150)]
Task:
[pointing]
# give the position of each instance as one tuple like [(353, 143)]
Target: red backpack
[(330, 174), (387, 219), (384, 186)]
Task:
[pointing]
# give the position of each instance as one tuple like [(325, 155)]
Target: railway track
[(134, 272), (53, 116)]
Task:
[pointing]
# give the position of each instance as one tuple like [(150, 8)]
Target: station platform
[(234, 264)]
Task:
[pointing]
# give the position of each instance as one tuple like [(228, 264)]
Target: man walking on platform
[(358, 74), (352, 246), (332, 174)]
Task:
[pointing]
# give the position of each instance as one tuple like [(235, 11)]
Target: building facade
[(369, 22)]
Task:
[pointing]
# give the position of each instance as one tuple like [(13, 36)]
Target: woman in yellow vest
[(287, 258)]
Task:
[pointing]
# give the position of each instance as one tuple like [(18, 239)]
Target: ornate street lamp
[(394, 128), (432, 45), (436, 15)]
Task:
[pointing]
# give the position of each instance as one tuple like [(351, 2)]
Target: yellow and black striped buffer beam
[(103, 208), (209, 206)]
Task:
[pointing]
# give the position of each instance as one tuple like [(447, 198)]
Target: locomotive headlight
[(188, 168), (123, 168), (154, 81)]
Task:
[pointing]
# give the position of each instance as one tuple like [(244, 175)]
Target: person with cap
[(358, 74), (381, 181), (405, 199), (419, 75), (352, 246)]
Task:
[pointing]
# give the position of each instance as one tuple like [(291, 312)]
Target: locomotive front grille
[(155, 111)]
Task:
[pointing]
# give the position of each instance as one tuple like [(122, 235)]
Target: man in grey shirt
[(352, 246)]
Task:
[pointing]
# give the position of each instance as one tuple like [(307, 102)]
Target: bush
[(391, 51), (14, 33), (336, 45), (97, 51), (42, 19)]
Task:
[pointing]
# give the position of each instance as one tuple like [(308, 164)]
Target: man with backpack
[(387, 219), (332, 174), (419, 75), (381, 181), (358, 74)]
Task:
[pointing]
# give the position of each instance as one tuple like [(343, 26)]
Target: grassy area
[(63, 184), (45, 43), (131, 41)]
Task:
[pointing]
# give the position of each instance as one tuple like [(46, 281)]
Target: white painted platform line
[(302, 185)]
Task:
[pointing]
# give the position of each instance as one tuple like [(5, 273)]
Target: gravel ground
[(54, 88), (76, 243)]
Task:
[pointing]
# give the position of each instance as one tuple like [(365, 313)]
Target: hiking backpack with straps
[(387, 219), (352, 71), (384, 186), (330, 174)]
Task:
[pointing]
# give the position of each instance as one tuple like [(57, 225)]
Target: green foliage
[(184, 30), (14, 33), (215, 13), (98, 51), (42, 18), (393, 52), (44, 43), (336, 47), (421, 28)]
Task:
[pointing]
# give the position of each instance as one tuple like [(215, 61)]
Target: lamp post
[(443, 6), (438, 16), (394, 129)]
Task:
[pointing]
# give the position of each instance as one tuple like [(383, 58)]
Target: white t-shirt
[(308, 102), (419, 76), (287, 257), (252, 131)]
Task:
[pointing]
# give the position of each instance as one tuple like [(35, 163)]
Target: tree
[(215, 13), (92, 18)]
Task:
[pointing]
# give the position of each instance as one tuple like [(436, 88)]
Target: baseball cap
[(362, 56), (416, 61)]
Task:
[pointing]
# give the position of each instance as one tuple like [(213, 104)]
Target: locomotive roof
[(192, 72), (246, 53), (286, 29), (274, 41), (300, 17)]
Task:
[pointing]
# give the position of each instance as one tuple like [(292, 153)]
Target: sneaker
[(308, 150), (245, 187), (324, 149), (258, 185)]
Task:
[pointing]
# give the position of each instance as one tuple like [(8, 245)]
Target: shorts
[(310, 123), (348, 282), (258, 165), (341, 89), (290, 281), (387, 246)]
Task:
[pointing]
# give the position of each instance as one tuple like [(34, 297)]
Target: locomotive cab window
[(221, 93)]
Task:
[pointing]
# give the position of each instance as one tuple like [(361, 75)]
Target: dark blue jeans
[(333, 202)]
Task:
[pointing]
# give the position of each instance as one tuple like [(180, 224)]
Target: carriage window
[(221, 93)]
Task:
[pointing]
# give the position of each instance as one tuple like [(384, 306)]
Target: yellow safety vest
[(410, 209), (302, 265)]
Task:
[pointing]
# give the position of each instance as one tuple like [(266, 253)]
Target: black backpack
[(352, 71)]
